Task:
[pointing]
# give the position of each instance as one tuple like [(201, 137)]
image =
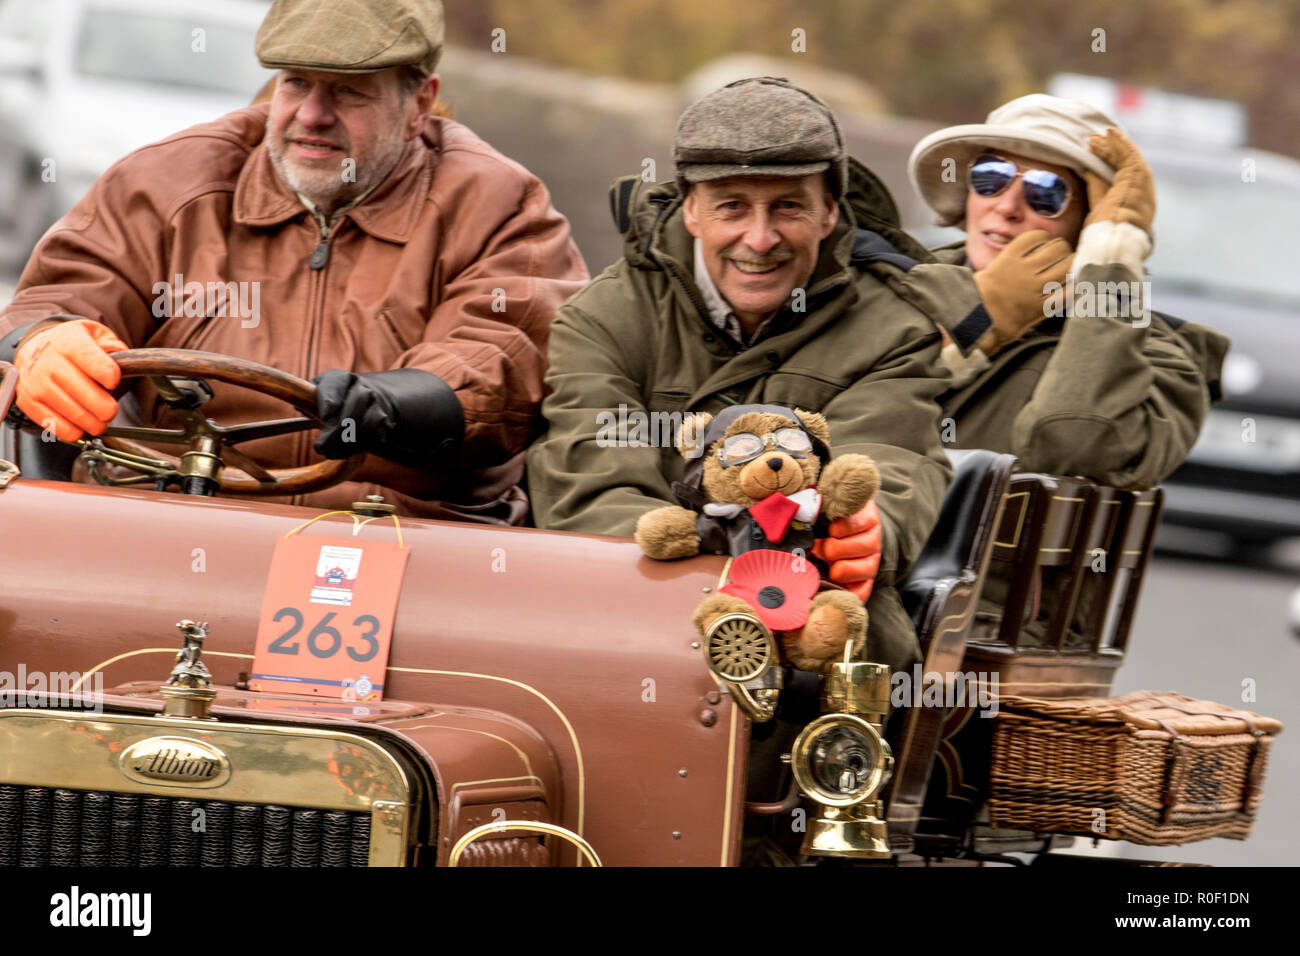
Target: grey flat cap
[(762, 126), (351, 36)]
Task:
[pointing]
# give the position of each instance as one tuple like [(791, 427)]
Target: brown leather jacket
[(455, 264)]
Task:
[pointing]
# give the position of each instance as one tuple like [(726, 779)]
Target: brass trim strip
[(467, 730), (1020, 519), (954, 766), (469, 783), (453, 858), (726, 803), (726, 568), (145, 650)]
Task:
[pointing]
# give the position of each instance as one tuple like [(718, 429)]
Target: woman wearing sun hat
[(1058, 207), (1054, 199)]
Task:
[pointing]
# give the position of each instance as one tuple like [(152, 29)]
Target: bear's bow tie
[(775, 512)]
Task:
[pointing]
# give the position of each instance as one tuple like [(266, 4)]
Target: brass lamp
[(841, 760)]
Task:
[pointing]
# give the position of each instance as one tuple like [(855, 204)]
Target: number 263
[(324, 640)]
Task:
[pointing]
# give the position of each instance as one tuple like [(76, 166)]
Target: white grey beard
[(329, 191)]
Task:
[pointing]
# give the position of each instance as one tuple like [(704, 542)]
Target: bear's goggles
[(745, 447)]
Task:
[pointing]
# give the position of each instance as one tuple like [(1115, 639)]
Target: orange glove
[(64, 377), (853, 551)]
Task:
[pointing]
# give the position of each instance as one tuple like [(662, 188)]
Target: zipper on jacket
[(320, 255), (316, 262)]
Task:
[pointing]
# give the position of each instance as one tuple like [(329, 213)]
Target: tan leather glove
[(1013, 286), (1131, 198), (1118, 229)]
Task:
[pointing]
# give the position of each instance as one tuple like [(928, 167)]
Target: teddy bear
[(760, 485)]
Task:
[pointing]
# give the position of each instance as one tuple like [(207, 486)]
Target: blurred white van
[(84, 82)]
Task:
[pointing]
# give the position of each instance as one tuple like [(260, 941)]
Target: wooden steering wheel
[(212, 457)]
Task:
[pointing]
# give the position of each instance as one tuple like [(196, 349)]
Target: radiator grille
[(42, 826)]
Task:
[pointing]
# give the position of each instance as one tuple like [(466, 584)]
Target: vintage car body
[(567, 684)]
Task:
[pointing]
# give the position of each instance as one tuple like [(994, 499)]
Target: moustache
[(291, 134)]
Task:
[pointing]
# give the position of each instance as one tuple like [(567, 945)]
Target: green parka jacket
[(637, 343), (1098, 395), (1104, 396)]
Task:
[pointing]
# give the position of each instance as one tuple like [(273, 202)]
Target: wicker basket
[(1164, 768)]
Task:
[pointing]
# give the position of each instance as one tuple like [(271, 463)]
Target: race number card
[(327, 617)]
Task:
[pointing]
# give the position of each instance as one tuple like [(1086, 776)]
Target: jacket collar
[(388, 212)]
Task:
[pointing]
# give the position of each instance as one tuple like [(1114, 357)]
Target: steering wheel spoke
[(247, 465), (162, 436), (236, 434), (209, 442)]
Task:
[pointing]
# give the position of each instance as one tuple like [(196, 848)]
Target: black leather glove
[(406, 415)]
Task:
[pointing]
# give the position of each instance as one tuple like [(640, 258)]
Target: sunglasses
[(744, 447), (1047, 194)]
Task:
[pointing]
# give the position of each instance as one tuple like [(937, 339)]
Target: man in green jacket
[(736, 287)]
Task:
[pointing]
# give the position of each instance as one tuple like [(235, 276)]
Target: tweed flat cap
[(351, 36), (762, 126)]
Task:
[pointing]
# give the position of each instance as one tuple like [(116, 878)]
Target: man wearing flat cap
[(397, 259), (737, 286)]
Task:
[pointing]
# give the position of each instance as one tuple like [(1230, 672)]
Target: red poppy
[(776, 584)]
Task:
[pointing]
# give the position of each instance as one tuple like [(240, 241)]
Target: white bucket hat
[(1038, 126)]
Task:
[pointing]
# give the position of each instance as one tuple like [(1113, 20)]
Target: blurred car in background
[(1225, 257), (84, 82)]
